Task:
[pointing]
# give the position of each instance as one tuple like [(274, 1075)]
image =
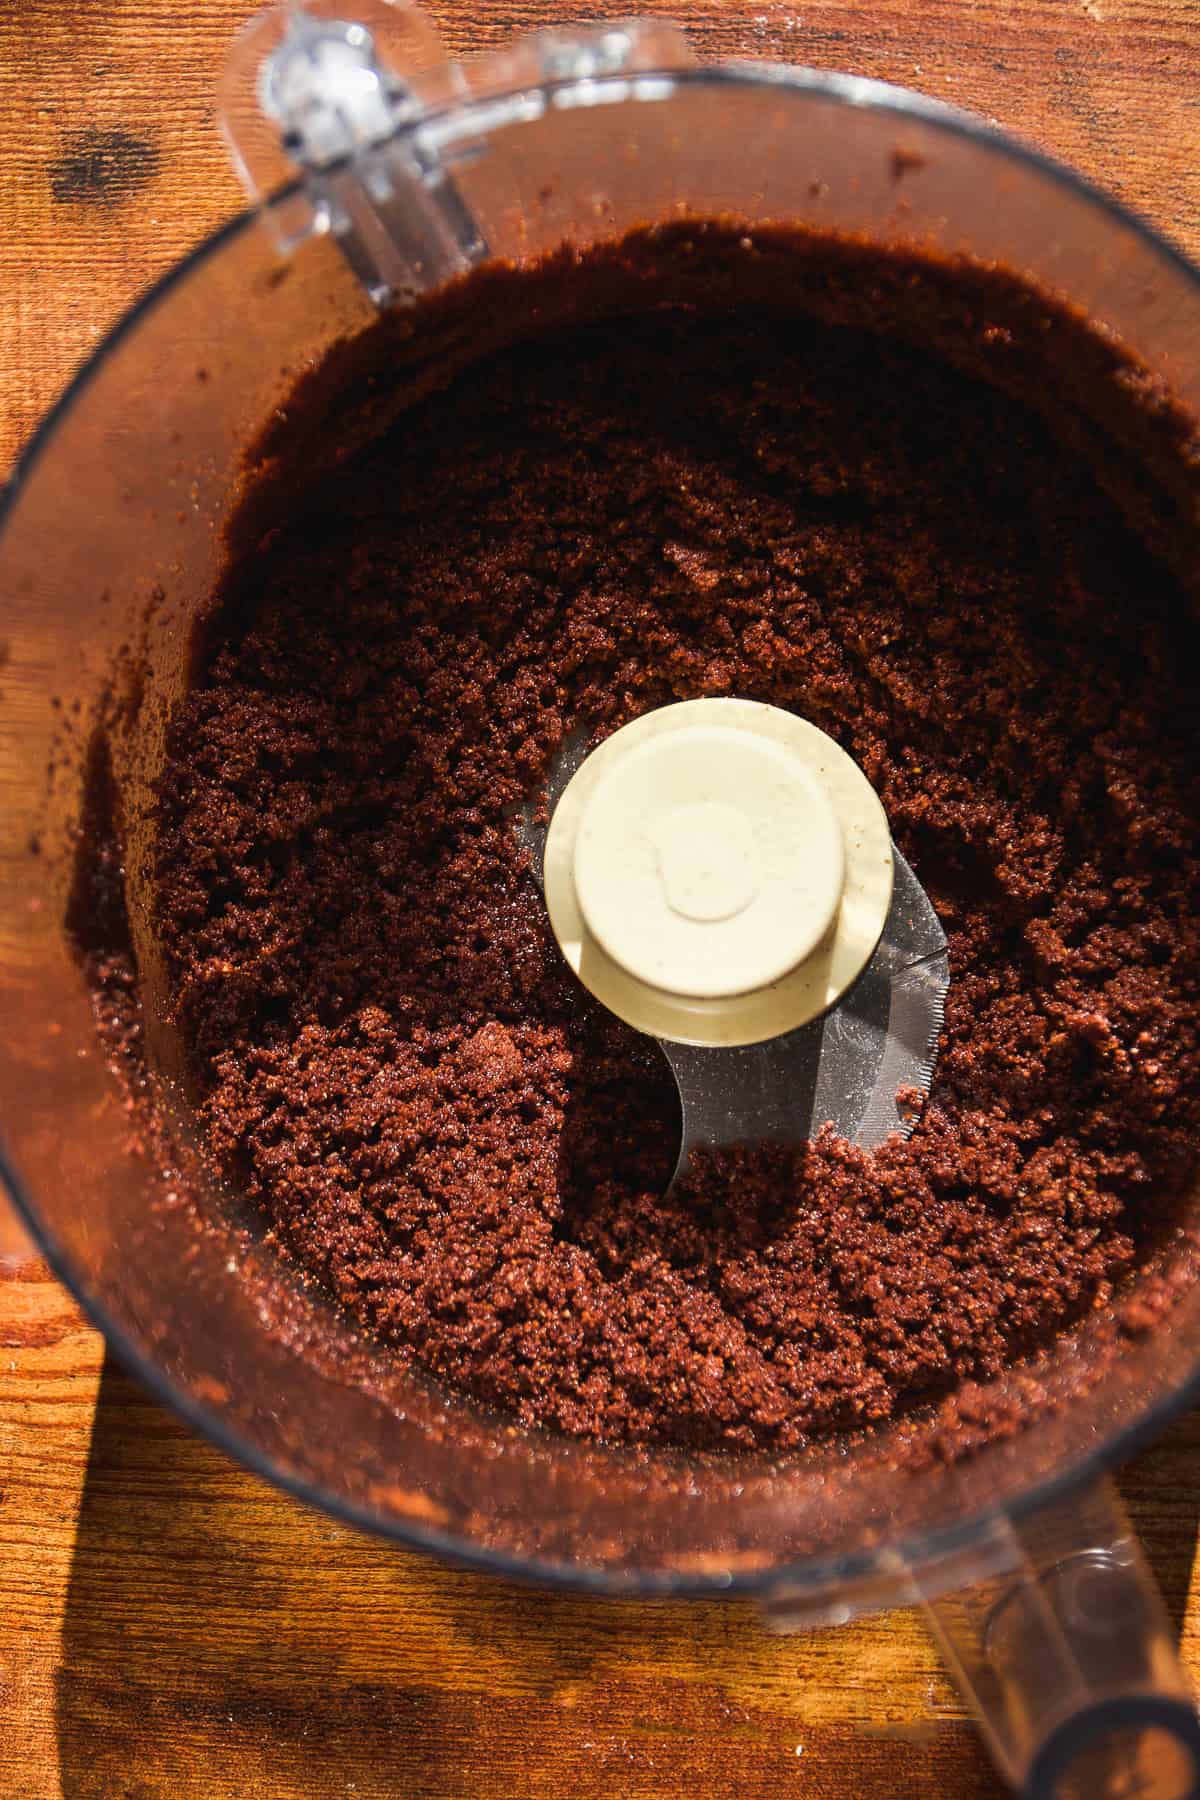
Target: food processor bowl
[(113, 541)]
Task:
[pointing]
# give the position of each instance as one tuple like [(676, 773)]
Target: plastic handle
[(348, 118), (1066, 1654)]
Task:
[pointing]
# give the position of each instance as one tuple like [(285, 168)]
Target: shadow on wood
[(218, 1638), (1161, 1491)]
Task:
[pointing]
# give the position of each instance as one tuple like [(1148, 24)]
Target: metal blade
[(864, 1067)]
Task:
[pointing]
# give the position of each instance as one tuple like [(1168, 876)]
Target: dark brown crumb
[(390, 1056), (905, 162)]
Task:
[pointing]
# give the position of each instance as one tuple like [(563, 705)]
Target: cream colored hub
[(708, 861), (718, 872)]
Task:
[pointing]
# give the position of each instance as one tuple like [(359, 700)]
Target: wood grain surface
[(169, 1626)]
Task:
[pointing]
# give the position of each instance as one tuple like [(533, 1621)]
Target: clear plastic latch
[(354, 127), (327, 91), (324, 126)]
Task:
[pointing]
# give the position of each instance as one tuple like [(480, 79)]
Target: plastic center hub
[(708, 861), (718, 872)]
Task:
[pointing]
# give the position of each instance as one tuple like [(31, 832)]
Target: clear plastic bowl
[(112, 538)]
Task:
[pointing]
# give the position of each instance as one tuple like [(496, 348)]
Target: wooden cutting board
[(169, 1626)]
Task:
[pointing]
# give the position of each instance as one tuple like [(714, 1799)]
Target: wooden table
[(169, 1626)]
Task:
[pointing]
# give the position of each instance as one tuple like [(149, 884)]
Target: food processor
[(378, 171)]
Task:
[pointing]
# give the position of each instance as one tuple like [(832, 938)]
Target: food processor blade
[(864, 1067)]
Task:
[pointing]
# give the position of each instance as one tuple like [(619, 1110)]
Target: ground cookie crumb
[(610, 514)]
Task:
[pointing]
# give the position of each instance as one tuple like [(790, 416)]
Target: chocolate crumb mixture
[(389, 1055)]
